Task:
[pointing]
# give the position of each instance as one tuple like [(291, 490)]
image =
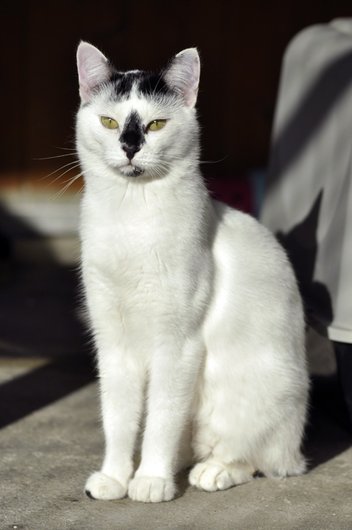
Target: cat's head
[(136, 123)]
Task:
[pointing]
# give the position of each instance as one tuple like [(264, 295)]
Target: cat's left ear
[(182, 75), (93, 69)]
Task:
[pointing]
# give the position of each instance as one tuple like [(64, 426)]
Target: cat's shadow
[(301, 246), (43, 346), (328, 430)]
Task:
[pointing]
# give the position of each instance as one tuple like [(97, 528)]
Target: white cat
[(194, 307)]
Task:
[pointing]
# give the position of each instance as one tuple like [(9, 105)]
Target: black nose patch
[(132, 136)]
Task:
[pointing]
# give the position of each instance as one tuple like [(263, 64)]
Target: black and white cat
[(195, 310)]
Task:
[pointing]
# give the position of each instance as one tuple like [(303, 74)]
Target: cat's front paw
[(151, 489), (103, 487)]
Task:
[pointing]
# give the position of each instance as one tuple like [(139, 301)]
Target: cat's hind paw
[(213, 476), (151, 489), (102, 487)]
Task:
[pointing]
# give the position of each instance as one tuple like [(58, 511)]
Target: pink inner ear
[(183, 75), (93, 69)]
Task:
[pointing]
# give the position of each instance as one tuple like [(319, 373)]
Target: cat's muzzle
[(133, 171)]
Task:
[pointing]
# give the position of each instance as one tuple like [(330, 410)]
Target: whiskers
[(158, 166), (67, 183), (175, 158), (214, 161), (154, 166), (56, 175)]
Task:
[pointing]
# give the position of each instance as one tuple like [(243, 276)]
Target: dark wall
[(241, 45)]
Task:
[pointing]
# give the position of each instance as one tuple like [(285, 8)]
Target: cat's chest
[(137, 248), (148, 262), (131, 238)]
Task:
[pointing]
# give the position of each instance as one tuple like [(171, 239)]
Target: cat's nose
[(130, 150)]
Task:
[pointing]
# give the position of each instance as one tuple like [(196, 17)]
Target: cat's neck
[(178, 202), (105, 186)]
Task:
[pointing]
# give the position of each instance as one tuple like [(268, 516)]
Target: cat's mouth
[(131, 171)]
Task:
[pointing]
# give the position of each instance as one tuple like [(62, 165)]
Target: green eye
[(109, 123), (156, 125)]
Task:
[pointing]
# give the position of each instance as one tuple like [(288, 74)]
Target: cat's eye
[(156, 125), (109, 123)]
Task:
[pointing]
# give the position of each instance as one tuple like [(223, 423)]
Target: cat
[(194, 307)]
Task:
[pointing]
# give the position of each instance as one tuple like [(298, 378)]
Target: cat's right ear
[(93, 69)]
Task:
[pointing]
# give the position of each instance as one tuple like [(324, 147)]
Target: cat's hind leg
[(213, 475), (281, 455)]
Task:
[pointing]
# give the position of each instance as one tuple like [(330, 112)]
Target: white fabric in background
[(309, 194)]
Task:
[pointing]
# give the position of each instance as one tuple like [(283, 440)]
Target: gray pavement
[(51, 439)]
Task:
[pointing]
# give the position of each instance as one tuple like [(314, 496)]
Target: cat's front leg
[(121, 385), (171, 390)]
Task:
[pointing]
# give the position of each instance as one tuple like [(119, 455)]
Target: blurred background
[(241, 46)]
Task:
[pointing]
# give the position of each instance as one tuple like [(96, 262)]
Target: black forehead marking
[(132, 133), (123, 83), (147, 83), (151, 83)]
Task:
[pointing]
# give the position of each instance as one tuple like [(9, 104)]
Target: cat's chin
[(131, 171)]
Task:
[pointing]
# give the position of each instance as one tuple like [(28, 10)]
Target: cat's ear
[(93, 69), (183, 74)]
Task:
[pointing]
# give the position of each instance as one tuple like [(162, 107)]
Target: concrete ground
[(51, 438)]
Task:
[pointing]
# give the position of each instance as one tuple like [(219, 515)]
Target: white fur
[(195, 312)]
